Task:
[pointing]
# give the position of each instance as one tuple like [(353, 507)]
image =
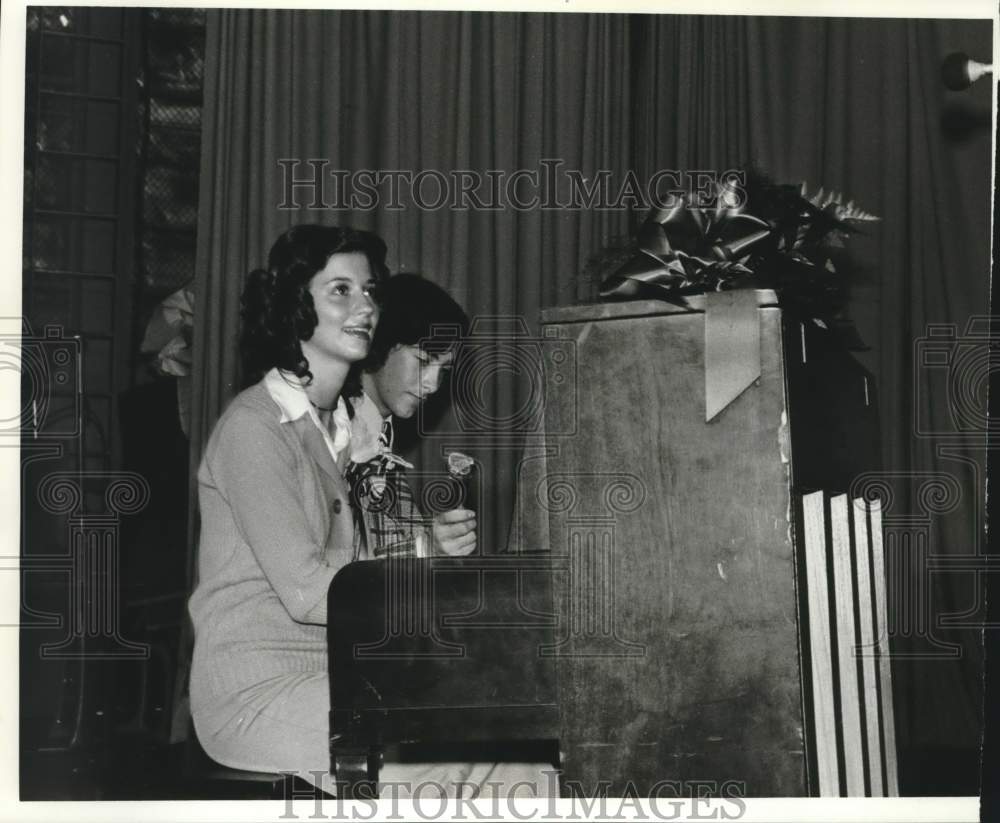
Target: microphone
[(959, 71)]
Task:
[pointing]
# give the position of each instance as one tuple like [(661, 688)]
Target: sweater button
[(337, 505)]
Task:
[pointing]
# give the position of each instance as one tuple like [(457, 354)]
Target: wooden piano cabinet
[(440, 656), (682, 646)]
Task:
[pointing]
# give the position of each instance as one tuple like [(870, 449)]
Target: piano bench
[(206, 779), (224, 783)]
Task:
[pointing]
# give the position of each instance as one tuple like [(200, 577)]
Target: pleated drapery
[(853, 105), (858, 106), (415, 92)]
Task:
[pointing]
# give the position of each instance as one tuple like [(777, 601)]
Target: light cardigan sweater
[(276, 525)]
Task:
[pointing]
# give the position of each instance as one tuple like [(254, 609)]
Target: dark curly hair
[(415, 310), (277, 308)]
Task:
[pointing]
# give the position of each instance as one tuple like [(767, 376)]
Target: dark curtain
[(417, 92), (859, 106), (853, 105)]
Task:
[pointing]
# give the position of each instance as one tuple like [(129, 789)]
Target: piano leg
[(356, 772)]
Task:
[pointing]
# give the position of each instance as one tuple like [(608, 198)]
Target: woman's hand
[(454, 532)]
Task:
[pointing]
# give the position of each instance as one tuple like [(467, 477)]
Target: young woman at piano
[(276, 521)]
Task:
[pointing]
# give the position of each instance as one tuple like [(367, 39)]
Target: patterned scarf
[(386, 514)]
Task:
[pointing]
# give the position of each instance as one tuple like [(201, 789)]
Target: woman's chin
[(406, 408), (356, 349)]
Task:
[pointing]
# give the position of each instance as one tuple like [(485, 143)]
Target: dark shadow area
[(962, 121)]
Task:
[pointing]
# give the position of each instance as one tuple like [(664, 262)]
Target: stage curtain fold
[(853, 105), (428, 92), (859, 106)]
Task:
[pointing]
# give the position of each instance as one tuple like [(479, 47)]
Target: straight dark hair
[(415, 311)]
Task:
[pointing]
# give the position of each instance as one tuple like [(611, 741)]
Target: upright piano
[(694, 591)]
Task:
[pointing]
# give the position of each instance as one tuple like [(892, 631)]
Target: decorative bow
[(688, 247)]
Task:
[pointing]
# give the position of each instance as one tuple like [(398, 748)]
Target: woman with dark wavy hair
[(276, 524)]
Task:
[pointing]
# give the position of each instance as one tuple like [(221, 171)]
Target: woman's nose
[(431, 379), (366, 305)]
